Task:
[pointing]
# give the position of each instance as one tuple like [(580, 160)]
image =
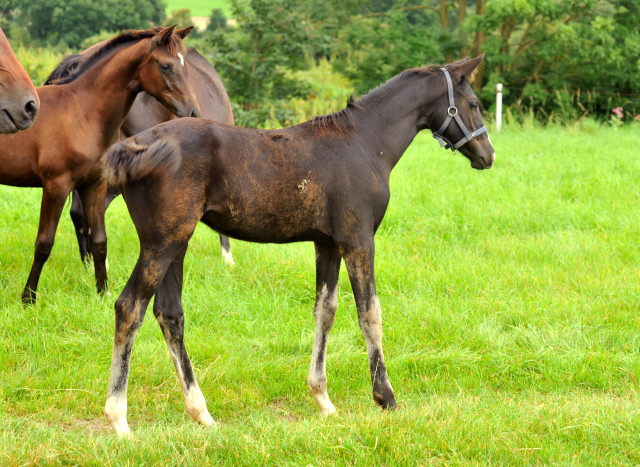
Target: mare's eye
[(166, 68), (473, 105)]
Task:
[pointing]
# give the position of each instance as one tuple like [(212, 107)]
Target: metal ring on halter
[(455, 111)]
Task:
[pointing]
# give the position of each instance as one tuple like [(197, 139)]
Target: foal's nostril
[(194, 113), (30, 109)]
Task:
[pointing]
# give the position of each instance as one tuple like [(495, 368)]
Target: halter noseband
[(452, 113)]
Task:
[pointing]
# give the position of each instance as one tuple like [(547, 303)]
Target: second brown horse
[(147, 112), (78, 120)]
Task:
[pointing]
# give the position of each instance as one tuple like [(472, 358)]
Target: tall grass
[(511, 317)]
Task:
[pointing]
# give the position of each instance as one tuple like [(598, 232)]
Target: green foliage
[(543, 51), (572, 58), (217, 20), (379, 49), (39, 62), (71, 21), (256, 59)]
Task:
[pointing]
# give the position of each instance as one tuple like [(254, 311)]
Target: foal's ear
[(162, 37), (182, 33), (466, 68)]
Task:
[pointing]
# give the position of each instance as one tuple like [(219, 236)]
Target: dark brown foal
[(324, 181)]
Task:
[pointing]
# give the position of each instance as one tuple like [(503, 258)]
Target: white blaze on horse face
[(181, 58)]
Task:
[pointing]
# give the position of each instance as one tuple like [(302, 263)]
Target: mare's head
[(163, 72), (457, 120), (19, 101)]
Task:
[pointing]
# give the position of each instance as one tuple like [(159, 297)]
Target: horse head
[(19, 101), (164, 72), (458, 117)]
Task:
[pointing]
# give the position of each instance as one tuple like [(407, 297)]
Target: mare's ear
[(182, 33), (465, 68), (162, 37)]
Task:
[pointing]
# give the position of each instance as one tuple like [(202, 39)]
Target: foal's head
[(473, 141), (163, 73)]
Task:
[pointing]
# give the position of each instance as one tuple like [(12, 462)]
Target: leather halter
[(452, 113)]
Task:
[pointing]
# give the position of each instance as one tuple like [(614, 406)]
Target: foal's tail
[(128, 160)]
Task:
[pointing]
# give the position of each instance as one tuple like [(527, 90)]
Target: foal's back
[(260, 185)]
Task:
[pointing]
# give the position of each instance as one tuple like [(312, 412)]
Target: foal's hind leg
[(168, 311), (54, 195), (80, 225), (225, 247), (359, 262), (130, 309), (93, 204), (324, 312)]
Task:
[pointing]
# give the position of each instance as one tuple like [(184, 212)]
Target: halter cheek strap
[(452, 114)]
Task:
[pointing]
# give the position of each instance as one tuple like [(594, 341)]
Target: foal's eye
[(166, 68), (473, 105)]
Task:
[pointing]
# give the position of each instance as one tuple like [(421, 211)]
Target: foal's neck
[(390, 117)]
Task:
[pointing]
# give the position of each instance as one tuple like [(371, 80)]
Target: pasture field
[(511, 309), (199, 7)]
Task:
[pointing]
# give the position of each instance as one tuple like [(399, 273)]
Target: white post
[(499, 107)]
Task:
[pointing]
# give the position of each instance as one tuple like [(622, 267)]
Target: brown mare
[(204, 82), (325, 181), (19, 101), (78, 119)]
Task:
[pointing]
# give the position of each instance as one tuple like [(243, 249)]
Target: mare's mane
[(345, 118), (74, 66)]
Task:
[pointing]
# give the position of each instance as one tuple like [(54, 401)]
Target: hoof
[(28, 297), (387, 401)]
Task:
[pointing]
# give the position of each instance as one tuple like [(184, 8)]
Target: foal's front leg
[(130, 309), (324, 312), (359, 264), (168, 311)]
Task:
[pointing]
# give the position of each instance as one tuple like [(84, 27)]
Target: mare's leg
[(359, 262), (324, 312), (54, 195), (80, 225), (93, 204), (225, 247), (130, 309), (168, 311)]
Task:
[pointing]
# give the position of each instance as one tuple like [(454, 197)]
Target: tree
[(571, 57), (71, 21), (217, 20), (257, 58)]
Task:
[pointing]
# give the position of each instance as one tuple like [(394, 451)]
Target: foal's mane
[(74, 66), (345, 118)]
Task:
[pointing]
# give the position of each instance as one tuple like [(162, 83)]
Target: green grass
[(199, 7), (511, 305)]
